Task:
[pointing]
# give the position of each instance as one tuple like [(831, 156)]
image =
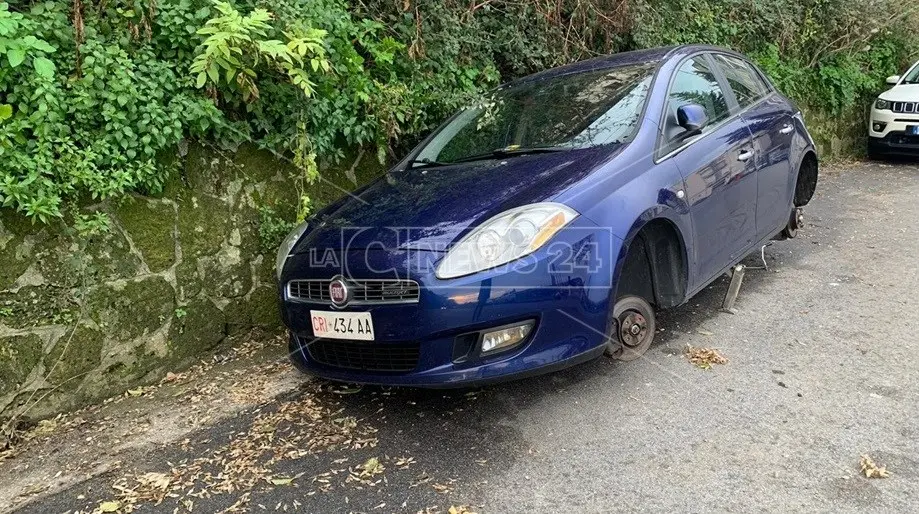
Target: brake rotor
[(798, 218), (633, 329), (795, 221)]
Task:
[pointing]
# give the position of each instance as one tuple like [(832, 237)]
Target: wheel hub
[(798, 218), (633, 328)]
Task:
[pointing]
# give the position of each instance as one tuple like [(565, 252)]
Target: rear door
[(717, 168), (769, 117)]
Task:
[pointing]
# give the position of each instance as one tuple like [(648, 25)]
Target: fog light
[(506, 337), (878, 127)]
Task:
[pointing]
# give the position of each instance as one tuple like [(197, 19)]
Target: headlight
[(881, 104), (505, 238), (287, 245)]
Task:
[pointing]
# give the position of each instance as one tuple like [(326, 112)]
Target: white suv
[(894, 125)]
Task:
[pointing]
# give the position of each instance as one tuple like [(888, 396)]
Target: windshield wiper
[(512, 151), (425, 162)]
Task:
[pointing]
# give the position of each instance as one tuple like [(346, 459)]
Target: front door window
[(694, 83)]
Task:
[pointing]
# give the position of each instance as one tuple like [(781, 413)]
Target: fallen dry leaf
[(33, 490), (371, 467), (45, 427), (109, 506), (404, 462), (156, 481), (703, 358), (348, 389), (872, 470), (461, 509)]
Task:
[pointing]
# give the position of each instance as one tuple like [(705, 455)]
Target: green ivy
[(96, 96)]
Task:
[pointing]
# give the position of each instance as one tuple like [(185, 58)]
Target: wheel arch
[(806, 176), (653, 262)]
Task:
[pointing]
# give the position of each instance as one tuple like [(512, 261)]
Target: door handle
[(745, 155), (786, 129)]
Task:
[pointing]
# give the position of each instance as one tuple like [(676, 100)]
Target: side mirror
[(691, 117), (893, 80)]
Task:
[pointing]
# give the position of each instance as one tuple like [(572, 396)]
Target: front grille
[(371, 291), (364, 355), (905, 107)]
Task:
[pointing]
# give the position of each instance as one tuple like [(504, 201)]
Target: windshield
[(913, 76), (570, 111)]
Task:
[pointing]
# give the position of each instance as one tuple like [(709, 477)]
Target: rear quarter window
[(748, 86)]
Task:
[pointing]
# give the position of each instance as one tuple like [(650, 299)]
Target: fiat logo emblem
[(338, 292)]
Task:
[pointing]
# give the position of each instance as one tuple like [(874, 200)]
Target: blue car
[(543, 225)]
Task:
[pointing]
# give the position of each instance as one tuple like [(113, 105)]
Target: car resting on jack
[(544, 224)]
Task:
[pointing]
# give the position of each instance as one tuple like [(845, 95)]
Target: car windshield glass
[(913, 76), (564, 112)]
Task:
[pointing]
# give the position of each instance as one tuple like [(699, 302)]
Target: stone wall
[(173, 276), (841, 137)]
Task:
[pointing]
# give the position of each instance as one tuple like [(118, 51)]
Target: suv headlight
[(504, 238), (287, 245), (881, 104)]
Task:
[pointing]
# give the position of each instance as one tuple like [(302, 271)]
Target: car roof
[(649, 55)]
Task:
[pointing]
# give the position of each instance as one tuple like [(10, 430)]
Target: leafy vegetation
[(89, 110), (94, 95), (272, 228), (831, 56)]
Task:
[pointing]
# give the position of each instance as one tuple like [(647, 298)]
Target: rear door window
[(746, 83)]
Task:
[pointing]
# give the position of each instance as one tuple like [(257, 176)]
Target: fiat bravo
[(544, 224)]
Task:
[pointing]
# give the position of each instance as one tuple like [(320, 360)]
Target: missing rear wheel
[(795, 222)]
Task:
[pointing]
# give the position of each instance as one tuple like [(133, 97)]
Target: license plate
[(342, 325), (912, 130)]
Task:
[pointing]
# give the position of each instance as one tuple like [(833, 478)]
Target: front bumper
[(569, 305), (894, 143), (517, 364), (887, 133), (889, 123)]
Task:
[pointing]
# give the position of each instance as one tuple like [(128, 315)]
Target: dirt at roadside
[(72, 448)]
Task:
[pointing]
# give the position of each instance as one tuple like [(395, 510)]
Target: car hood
[(428, 208), (902, 93)]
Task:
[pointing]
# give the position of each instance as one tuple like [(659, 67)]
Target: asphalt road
[(822, 368)]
